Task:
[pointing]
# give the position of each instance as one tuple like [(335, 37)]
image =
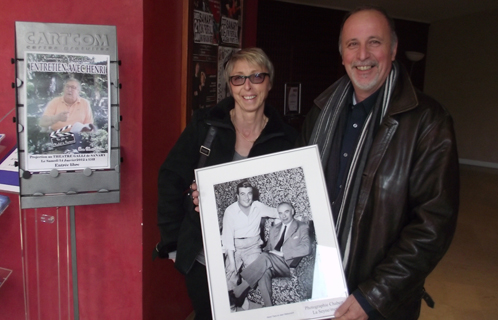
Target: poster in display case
[(67, 114)]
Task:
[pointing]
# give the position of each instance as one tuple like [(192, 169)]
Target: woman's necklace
[(263, 125)]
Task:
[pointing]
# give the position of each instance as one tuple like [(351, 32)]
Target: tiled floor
[(464, 285)]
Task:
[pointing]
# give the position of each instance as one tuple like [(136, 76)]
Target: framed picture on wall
[(292, 98), (270, 211)]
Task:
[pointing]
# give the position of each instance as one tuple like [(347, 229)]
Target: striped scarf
[(324, 135)]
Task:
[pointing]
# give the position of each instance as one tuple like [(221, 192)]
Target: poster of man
[(67, 111)]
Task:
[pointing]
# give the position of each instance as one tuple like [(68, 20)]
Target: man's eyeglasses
[(71, 87), (255, 78)]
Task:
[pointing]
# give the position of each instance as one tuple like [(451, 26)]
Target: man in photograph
[(287, 240), (68, 110), (241, 237)]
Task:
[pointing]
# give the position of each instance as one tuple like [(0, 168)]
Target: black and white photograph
[(259, 219), (267, 242)]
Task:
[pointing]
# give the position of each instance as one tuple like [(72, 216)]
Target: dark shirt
[(356, 116)]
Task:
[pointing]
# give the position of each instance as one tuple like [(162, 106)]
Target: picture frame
[(293, 176), (292, 98)]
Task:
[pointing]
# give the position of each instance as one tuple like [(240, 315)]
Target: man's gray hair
[(73, 80)]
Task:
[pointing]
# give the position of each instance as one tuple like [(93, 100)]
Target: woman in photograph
[(246, 127)]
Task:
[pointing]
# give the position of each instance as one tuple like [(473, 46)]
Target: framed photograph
[(269, 238), (292, 98)]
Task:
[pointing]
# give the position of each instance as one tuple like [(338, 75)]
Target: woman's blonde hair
[(254, 56)]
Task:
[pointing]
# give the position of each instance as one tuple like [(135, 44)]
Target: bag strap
[(205, 149)]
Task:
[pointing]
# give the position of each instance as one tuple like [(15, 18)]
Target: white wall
[(462, 74)]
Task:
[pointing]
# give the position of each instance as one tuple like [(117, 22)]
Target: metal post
[(74, 264)]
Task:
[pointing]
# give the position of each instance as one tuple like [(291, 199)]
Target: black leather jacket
[(181, 230), (407, 207)]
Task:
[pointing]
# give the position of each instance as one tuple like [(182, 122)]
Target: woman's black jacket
[(181, 229)]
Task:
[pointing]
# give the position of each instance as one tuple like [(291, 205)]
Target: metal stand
[(74, 264)]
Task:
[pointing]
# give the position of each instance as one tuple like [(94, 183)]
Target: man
[(287, 240), (69, 109), (391, 167), (241, 232)]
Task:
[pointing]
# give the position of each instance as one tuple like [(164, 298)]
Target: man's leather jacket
[(406, 211)]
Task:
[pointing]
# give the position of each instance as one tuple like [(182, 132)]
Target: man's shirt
[(236, 224), (80, 111)]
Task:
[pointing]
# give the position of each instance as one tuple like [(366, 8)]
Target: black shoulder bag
[(188, 205)]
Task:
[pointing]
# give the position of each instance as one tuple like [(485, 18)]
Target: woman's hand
[(195, 195)]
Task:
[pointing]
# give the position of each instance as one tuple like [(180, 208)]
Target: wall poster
[(67, 111), (224, 54), (216, 33)]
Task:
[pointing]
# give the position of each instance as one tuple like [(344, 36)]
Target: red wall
[(109, 237), (164, 289), (164, 292), (116, 276)]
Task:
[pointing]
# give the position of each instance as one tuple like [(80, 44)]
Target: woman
[(246, 127)]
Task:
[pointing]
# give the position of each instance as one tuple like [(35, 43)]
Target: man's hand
[(47, 120), (278, 253), (231, 268), (195, 196), (61, 117), (350, 310)]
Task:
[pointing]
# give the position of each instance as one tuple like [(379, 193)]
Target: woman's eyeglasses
[(255, 78)]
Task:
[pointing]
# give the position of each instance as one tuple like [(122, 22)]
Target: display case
[(49, 274), (68, 120), (9, 173), (4, 275), (47, 271), (60, 168)]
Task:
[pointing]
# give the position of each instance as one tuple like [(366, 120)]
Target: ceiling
[(416, 10)]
